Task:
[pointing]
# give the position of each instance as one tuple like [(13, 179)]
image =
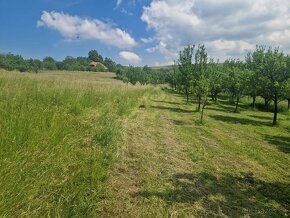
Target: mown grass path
[(170, 166), (152, 154)]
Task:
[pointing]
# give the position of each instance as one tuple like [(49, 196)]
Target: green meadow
[(76, 144), (59, 133)]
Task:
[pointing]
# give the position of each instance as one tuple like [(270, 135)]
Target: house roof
[(94, 64)]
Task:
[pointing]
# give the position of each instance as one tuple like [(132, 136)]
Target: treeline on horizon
[(129, 74), (17, 62)]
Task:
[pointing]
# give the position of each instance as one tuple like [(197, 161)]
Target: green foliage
[(186, 69), (216, 79), (93, 55), (49, 63), (143, 75), (272, 68), (16, 62), (286, 92), (110, 64), (238, 80)]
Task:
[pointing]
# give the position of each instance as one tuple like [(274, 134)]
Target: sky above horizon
[(141, 32)]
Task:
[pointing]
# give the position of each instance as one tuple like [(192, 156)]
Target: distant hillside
[(166, 67)]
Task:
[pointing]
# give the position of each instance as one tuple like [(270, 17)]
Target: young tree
[(237, 81), (286, 92), (203, 84), (273, 66), (185, 69), (200, 68), (216, 78), (173, 76)]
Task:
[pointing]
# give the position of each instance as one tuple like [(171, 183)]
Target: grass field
[(79, 145), (59, 133)]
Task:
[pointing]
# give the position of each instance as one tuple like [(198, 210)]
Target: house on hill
[(94, 64)]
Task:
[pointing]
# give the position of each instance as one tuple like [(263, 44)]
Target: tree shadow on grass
[(234, 196), (174, 93), (181, 122), (173, 109), (282, 143), (261, 117), (169, 102), (231, 105), (226, 107), (238, 120), (217, 109)]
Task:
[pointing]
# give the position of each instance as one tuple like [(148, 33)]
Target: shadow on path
[(234, 196), (173, 109), (261, 117), (282, 143), (239, 120), (168, 102)]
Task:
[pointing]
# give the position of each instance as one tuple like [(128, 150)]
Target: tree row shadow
[(173, 109), (281, 142), (240, 120), (234, 196)]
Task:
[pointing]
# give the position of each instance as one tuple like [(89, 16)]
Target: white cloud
[(147, 40), (74, 27), (130, 57), (118, 3), (124, 11), (227, 27)]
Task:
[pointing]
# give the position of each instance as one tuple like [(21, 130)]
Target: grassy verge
[(59, 134)]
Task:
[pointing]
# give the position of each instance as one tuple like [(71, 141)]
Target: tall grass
[(58, 137)]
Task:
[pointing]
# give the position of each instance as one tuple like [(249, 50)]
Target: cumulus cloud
[(130, 57), (74, 27), (227, 27)]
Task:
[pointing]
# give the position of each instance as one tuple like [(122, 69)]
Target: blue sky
[(141, 32)]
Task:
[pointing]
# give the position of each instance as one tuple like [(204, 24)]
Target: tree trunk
[(289, 104), (254, 102), (232, 97), (237, 104), (187, 96), (215, 97), (202, 110), (267, 102), (199, 103), (212, 96), (275, 110)]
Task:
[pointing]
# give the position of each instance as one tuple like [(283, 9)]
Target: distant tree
[(110, 64), (186, 69), (273, 67), (93, 55), (287, 93), (49, 63), (200, 79), (216, 78), (238, 80), (255, 83)]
